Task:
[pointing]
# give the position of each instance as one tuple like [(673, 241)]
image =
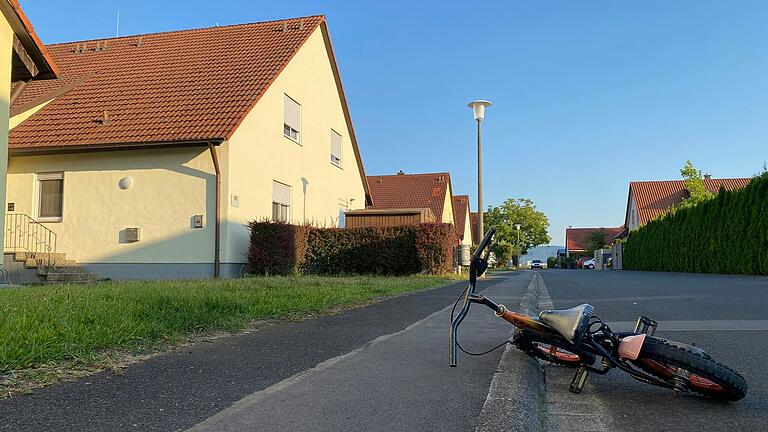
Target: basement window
[(50, 192), (281, 202), (291, 119), (336, 145)]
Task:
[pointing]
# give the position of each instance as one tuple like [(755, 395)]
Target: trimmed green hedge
[(727, 234), (278, 248)]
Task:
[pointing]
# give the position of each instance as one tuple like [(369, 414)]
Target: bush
[(725, 234), (279, 248), (551, 262)]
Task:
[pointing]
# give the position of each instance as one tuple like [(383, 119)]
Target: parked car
[(536, 264), (589, 264)]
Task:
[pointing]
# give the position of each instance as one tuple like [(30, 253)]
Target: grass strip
[(76, 324)]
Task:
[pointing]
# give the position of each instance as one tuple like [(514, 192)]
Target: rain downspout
[(217, 242)]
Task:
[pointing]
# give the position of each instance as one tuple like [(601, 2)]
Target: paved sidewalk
[(401, 379)]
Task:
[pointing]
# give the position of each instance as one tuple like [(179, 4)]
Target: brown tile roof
[(181, 86), (473, 226), (654, 198), (410, 191), (576, 238), (460, 207)]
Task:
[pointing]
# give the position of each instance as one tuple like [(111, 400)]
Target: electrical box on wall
[(11, 206), (235, 200), (132, 235), (197, 221)]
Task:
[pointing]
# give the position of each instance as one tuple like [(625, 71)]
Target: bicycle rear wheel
[(672, 361)]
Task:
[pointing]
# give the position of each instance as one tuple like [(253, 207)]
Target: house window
[(291, 119), (336, 145), (281, 202), (50, 191)]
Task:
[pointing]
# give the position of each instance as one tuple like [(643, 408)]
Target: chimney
[(401, 172), (707, 176)]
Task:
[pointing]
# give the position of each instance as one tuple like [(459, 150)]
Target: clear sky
[(588, 95)]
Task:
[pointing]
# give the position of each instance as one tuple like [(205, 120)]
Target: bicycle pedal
[(579, 379)]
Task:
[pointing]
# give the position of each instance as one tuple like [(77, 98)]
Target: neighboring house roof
[(410, 191), (179, 87), (29, 43), (576, 238), (473, 226), (460, 209), (654, 198)]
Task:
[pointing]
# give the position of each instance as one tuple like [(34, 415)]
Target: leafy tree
[(518, 211), (694, 183), (504, 252), (595, 240)]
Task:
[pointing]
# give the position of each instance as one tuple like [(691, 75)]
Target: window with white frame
[(50, 196), (291, 119), (336, 146), (281, 202)]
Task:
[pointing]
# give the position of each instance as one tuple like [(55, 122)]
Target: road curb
[(515, 400)]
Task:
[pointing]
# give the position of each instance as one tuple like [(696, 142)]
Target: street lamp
[(517, 227), (479, 107)]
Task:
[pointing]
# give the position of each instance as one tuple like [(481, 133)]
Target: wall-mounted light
[(125, 183)]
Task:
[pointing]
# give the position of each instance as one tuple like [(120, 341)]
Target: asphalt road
[(724, 315), (381, 367)]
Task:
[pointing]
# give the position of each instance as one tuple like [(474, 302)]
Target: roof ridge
[(415, 174), (682, 180), (322, 16)]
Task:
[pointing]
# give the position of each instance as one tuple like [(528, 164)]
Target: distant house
[(406, 199), (576, 239), (473, 226), (462, 219), (648, 200), (149, 153)]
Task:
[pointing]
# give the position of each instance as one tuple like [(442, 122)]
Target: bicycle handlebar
[(477, 267)]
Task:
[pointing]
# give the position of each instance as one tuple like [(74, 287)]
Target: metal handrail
[(24, 234)]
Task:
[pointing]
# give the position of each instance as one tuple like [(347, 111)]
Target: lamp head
[(478, 107)]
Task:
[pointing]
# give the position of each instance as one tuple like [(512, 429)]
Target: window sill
[(49, 219), (337, 166), (292, 140)]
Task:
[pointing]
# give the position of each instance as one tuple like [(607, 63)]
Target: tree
[(694, 183), (534, 224), (504, 252), (595, 240)]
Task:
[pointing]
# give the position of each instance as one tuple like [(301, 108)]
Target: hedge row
[(727, 234), (278, 248)]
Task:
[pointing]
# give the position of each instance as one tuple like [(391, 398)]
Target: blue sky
[(587, 95)]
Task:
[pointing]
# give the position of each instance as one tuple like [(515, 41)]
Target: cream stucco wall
[(6, 53), (169, 187), (467, 240), (448, 206), (260, 154), (18, 118)]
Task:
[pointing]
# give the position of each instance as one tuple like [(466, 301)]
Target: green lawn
[(79, 323)]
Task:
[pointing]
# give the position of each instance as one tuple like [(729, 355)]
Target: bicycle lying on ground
[(575, 338)]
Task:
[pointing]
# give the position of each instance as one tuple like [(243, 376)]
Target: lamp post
[(517, 227), (478, 107)]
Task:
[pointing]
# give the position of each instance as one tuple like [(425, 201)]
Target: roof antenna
[(117, 30)]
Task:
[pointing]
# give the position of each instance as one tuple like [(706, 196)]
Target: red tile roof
[(654, 198), (473, 226), (576, 238), (460, 207), (181, 86), (410, 191)]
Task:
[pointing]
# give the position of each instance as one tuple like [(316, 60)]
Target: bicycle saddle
[(570, 323)]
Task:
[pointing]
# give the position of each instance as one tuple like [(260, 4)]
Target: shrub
[(725, 234), (276, 248), (279, 248)]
